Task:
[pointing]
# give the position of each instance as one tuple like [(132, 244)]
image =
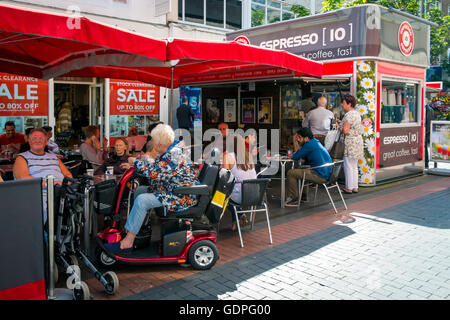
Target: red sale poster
[(133, 98), (23, 96)]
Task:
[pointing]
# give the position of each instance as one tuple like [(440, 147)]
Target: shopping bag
[(331, 138), (337, 150)]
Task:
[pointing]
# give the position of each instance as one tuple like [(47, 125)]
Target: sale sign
[(133, 98), (23, 96)]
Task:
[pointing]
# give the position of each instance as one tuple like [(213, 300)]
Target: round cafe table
[(283, 160)]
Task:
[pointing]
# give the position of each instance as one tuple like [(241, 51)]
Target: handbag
[(337, 150)]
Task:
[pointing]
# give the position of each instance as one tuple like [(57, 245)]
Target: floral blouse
[(354, 146), (168, 172)]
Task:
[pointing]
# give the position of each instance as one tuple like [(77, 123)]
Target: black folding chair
[(328, 184), (253, 195)]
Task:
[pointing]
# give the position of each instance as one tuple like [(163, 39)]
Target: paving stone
[(400, 252)]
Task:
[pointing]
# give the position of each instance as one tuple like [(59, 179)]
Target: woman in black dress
[(118, 159)]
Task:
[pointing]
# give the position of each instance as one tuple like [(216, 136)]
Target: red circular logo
[(242, 39), (406, 38)]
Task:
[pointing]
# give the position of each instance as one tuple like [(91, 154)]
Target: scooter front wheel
[(203, 255), (103, 258), (112, 282)]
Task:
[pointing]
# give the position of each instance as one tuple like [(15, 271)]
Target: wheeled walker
[(68, 250)]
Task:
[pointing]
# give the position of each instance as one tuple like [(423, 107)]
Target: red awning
[(42, 45), (197, 61), (214, 58), (46, 45)]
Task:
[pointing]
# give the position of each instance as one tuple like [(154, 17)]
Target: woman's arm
[(346, 127), (228, 161)]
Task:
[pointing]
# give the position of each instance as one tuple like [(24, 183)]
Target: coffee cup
[(110, 170), (90, 172)]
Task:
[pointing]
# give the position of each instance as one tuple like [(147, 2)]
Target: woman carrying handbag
[(351, 127)]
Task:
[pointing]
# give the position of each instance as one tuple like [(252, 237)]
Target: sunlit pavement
[(394, 244)]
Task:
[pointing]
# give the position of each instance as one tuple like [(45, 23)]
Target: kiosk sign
[(399, 146), (406, 38)]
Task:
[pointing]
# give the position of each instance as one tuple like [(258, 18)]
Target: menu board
[(440, 141)]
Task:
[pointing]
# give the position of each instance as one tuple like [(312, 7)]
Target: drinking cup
[(110, 170)]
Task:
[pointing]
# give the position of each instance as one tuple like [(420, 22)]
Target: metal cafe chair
[(329, 184), (252, 191)]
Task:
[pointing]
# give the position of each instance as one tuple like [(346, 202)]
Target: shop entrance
[(77, 105)]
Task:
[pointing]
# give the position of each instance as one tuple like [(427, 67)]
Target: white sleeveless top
[(240, 175), (40, 166)]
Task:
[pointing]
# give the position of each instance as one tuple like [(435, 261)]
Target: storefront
[(379, 56), (69, 104)]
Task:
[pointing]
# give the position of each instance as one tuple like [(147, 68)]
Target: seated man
[(51, 145), (11, 140), (308, 148), (36, 163), (91, 148), (170, 170)]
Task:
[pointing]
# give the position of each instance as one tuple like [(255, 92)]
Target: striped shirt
[(40, 166)]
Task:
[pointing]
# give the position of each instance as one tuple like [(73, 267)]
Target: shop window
[(18, 122), (291, 113), (233, 14), (258, 15), (287, 15), (297, 99), (273, 15), (120, 125), (399, 102), (193, 11), (219, 13), (214, 13)]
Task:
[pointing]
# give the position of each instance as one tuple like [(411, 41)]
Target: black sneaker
[(291, 202)]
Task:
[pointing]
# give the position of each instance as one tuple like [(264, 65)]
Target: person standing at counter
[(351, 126), (319, 120), (11, 140)]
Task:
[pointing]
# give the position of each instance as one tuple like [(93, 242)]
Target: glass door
[(97, 108)]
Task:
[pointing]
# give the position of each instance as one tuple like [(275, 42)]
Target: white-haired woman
[(170, 170)]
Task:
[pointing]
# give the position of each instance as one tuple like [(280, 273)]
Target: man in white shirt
[(319, 120)]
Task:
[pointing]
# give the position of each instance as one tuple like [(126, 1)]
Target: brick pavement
[(397, 248)]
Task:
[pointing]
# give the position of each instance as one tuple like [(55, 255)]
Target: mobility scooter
[(185, 237)]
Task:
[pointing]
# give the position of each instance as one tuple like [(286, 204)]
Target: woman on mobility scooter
[(170, 170)]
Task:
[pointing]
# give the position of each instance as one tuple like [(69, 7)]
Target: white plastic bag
[(331, 137)]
